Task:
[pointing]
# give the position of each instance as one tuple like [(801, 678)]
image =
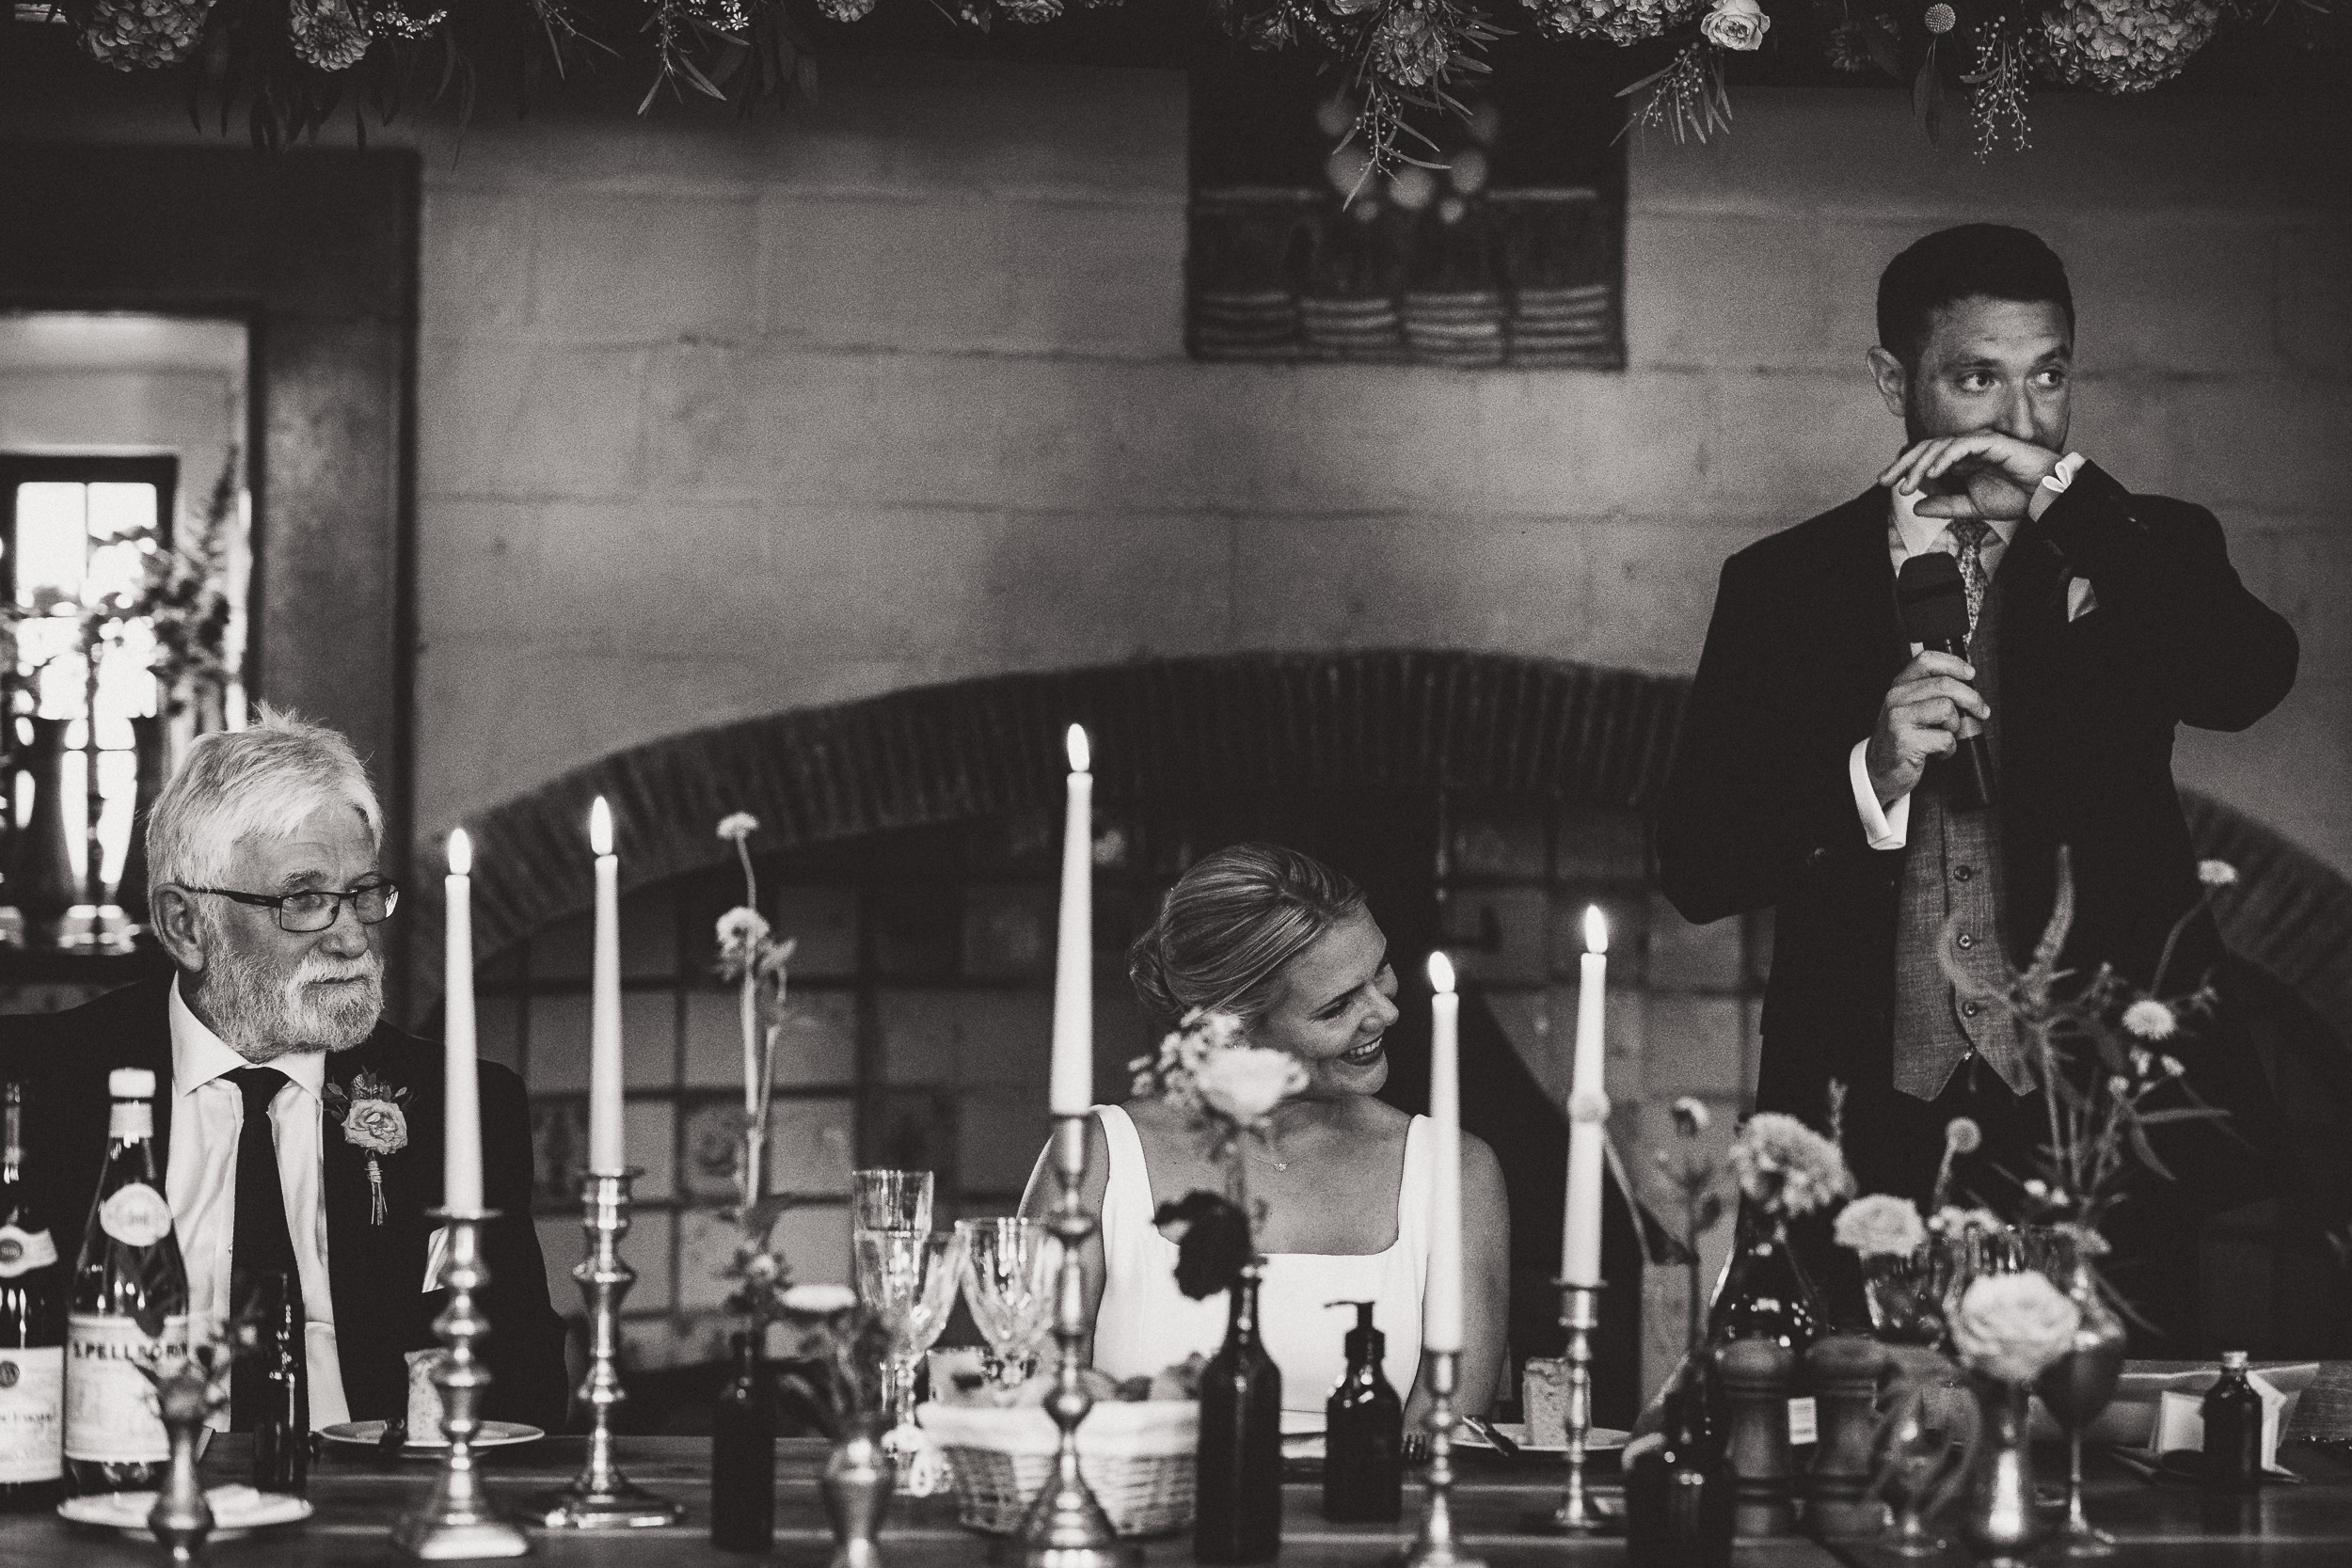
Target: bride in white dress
[(1286, 945)]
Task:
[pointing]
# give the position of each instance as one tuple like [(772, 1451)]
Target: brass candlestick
[(1579, 1314), (1066, 1527), (457, 1522), (1435, 1548), (601, 1497)]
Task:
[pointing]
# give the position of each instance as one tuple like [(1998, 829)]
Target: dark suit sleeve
[(2226, 657), (525, 1349), (1758, 792)]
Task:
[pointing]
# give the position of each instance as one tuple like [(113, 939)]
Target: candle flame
[(1595, 930), (1441, 973), (460, 853), (1081, 755), (600, 827)]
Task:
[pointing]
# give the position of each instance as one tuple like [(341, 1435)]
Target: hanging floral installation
[(293, 62)]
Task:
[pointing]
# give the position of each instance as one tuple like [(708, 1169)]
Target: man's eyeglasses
[(372, 903)]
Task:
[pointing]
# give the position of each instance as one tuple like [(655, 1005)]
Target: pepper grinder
[(1844, 1371), (1756, 1375)]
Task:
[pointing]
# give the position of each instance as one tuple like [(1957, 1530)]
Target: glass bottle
[(1363, 1428), (127, 1305), (2234, 1428), (32, 1330), (1678, 1486), (281, 1438), (1238, 1514), (743, 1455), (1766, 1295)]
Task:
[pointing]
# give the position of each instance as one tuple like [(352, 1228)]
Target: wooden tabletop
[(358, 1496)]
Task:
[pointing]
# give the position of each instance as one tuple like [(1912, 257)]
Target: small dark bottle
[(2234, 1428), (1238, 1512), (743, 1455), (1363, 1432), (281, 1438)]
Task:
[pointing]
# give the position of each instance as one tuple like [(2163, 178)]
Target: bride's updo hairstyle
[(1229, 925)]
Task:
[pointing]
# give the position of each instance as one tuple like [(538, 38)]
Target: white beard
[(264, 1013)]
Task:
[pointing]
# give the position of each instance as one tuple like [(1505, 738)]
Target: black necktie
[(261, 1244)]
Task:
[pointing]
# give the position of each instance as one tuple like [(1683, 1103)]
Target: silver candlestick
[(1436, 1547), (1579, 1314), (457, 1522), (1066, 1527), (601, 1497)]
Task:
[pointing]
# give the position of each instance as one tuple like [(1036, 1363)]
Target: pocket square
[(2080, 599)]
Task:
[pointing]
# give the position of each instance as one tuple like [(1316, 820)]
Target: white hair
[(260, 782)]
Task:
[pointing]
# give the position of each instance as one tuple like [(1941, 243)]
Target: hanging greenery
[(293, 64)]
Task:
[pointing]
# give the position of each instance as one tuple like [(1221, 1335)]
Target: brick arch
[(1493, 725)]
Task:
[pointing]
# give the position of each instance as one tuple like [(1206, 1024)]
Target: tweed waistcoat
[(1952, 866)]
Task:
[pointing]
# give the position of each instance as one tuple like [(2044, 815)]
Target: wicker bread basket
[(1136, 1456)]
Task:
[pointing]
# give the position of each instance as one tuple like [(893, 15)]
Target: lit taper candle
[(1072, 1081), (605, 1155), (1441, 1302), (1580, 1240), (461, 1137)]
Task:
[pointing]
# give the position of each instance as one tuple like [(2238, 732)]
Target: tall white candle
[(461, 1134), (1441, 1303), (1072, 1081), (605, 1154), (1580, 1241)]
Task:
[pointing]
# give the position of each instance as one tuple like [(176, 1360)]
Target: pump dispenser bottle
[(1363, 1432)]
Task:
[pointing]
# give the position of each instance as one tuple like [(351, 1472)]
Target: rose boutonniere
[(372, 1119)]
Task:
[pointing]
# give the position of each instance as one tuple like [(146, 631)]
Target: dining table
[(358, 1492)]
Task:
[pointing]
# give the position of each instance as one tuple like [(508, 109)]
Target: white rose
[(1735, 24), (1248, 1081), (2011, 1326), (1881, 1226)]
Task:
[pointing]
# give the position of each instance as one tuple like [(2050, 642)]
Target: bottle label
[(21, 1252), (136, 1215), (1804, 1424), (130, 1119), (32, 1408), (110, 1414)]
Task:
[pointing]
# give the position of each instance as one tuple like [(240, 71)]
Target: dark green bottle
[(1238, 1514)]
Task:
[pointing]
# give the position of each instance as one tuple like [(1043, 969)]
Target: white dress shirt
[(1908, 533), (200, 1182)]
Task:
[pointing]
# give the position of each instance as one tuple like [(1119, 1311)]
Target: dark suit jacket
[(375, 1270), (1804, 641)]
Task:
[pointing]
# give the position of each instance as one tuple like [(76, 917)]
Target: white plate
[(236, 1511), (1597, 1439), (1309, 1445), (370, 1435)]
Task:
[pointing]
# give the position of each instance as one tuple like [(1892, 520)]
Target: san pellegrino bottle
[(32, 1329), (128, 1307)]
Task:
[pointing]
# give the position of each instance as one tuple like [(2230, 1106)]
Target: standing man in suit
[(1808, 776), (268, 1045)]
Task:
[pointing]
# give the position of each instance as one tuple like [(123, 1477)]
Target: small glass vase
[(1238, 1515), (2000, 1520), (856, 1484), (2078, 1386)]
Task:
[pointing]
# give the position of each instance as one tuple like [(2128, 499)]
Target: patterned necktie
[(1970, 534)]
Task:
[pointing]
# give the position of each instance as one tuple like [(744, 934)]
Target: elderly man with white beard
[(300, 1134)]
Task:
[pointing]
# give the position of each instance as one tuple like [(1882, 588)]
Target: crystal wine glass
[(1009, 1279), (891, 1200), (908, 1279), (1922, 1443)]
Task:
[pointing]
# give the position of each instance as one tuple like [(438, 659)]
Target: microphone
[(1934, 602)]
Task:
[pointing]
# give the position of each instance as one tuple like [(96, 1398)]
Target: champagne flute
[(1009, 1279), (908, 1279)]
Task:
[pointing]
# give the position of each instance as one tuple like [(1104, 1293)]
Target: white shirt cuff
[(2054, 483), (1888, 828)]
